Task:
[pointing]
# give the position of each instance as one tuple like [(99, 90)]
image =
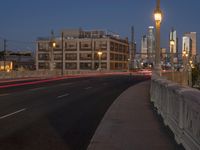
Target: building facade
[(173, 37), (78, 50), (151, 43), (21, 60), (148, 46), (144, 53), (187, 45)]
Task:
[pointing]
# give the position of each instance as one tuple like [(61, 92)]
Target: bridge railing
[(47, 73), (179, 107)]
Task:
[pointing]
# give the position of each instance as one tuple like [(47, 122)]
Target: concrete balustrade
[(179, 107), (47, 73)]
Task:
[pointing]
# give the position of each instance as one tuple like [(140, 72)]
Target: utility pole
[(63, 56), (132, 48), (4, 53), (133, 41)]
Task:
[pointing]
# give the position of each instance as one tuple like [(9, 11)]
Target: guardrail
[(179, 107)]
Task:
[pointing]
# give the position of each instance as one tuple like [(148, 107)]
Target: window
[(116, 57), (120, 57), (111, 56), (72, 56), (85, 56), (86, 45), (103, 65), (100, 45), (85, 66), (57, 56), (116, 47), (70, 65), (43, 65), (43, 57), (70, 46), (58, 65), (120, 48), (43, 46), (112, 46)]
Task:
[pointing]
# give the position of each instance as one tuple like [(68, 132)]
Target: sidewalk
[(131, 124)]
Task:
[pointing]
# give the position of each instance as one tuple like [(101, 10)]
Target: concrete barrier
[(179, 107), (47, 73)]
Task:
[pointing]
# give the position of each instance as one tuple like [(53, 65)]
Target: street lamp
[(158, 15), (187, 68), (172, 43), (52, 46), (99, 54), (129, 65), (185, 55)]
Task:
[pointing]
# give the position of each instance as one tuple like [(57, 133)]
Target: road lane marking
[(87, 88), (11, 114), (4, 94), (65, 95), (64, 84), (36, 89)]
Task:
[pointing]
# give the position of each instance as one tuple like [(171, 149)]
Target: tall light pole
[(158, 19), (172, 43), (186, 71), (52, 46), (99, 54)]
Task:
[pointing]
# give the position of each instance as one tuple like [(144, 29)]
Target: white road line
[(8, 115), (65, 95), (64, 84), (87, 88), (37, 89)]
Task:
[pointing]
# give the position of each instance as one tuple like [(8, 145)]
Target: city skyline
[(27, 20)]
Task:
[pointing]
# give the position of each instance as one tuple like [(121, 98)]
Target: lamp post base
[(158, 70)]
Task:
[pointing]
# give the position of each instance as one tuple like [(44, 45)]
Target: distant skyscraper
[(193, 37), (173, 36), (144, 47), (151, 44), (187, 44)]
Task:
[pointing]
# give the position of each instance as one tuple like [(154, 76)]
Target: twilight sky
[(22, 21)]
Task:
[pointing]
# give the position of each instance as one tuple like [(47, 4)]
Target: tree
[(195, 74)]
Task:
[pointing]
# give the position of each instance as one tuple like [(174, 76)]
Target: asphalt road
[(58, 115)]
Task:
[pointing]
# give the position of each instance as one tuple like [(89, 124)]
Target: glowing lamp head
[(54, 44), (100, 53), (158, 16)]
